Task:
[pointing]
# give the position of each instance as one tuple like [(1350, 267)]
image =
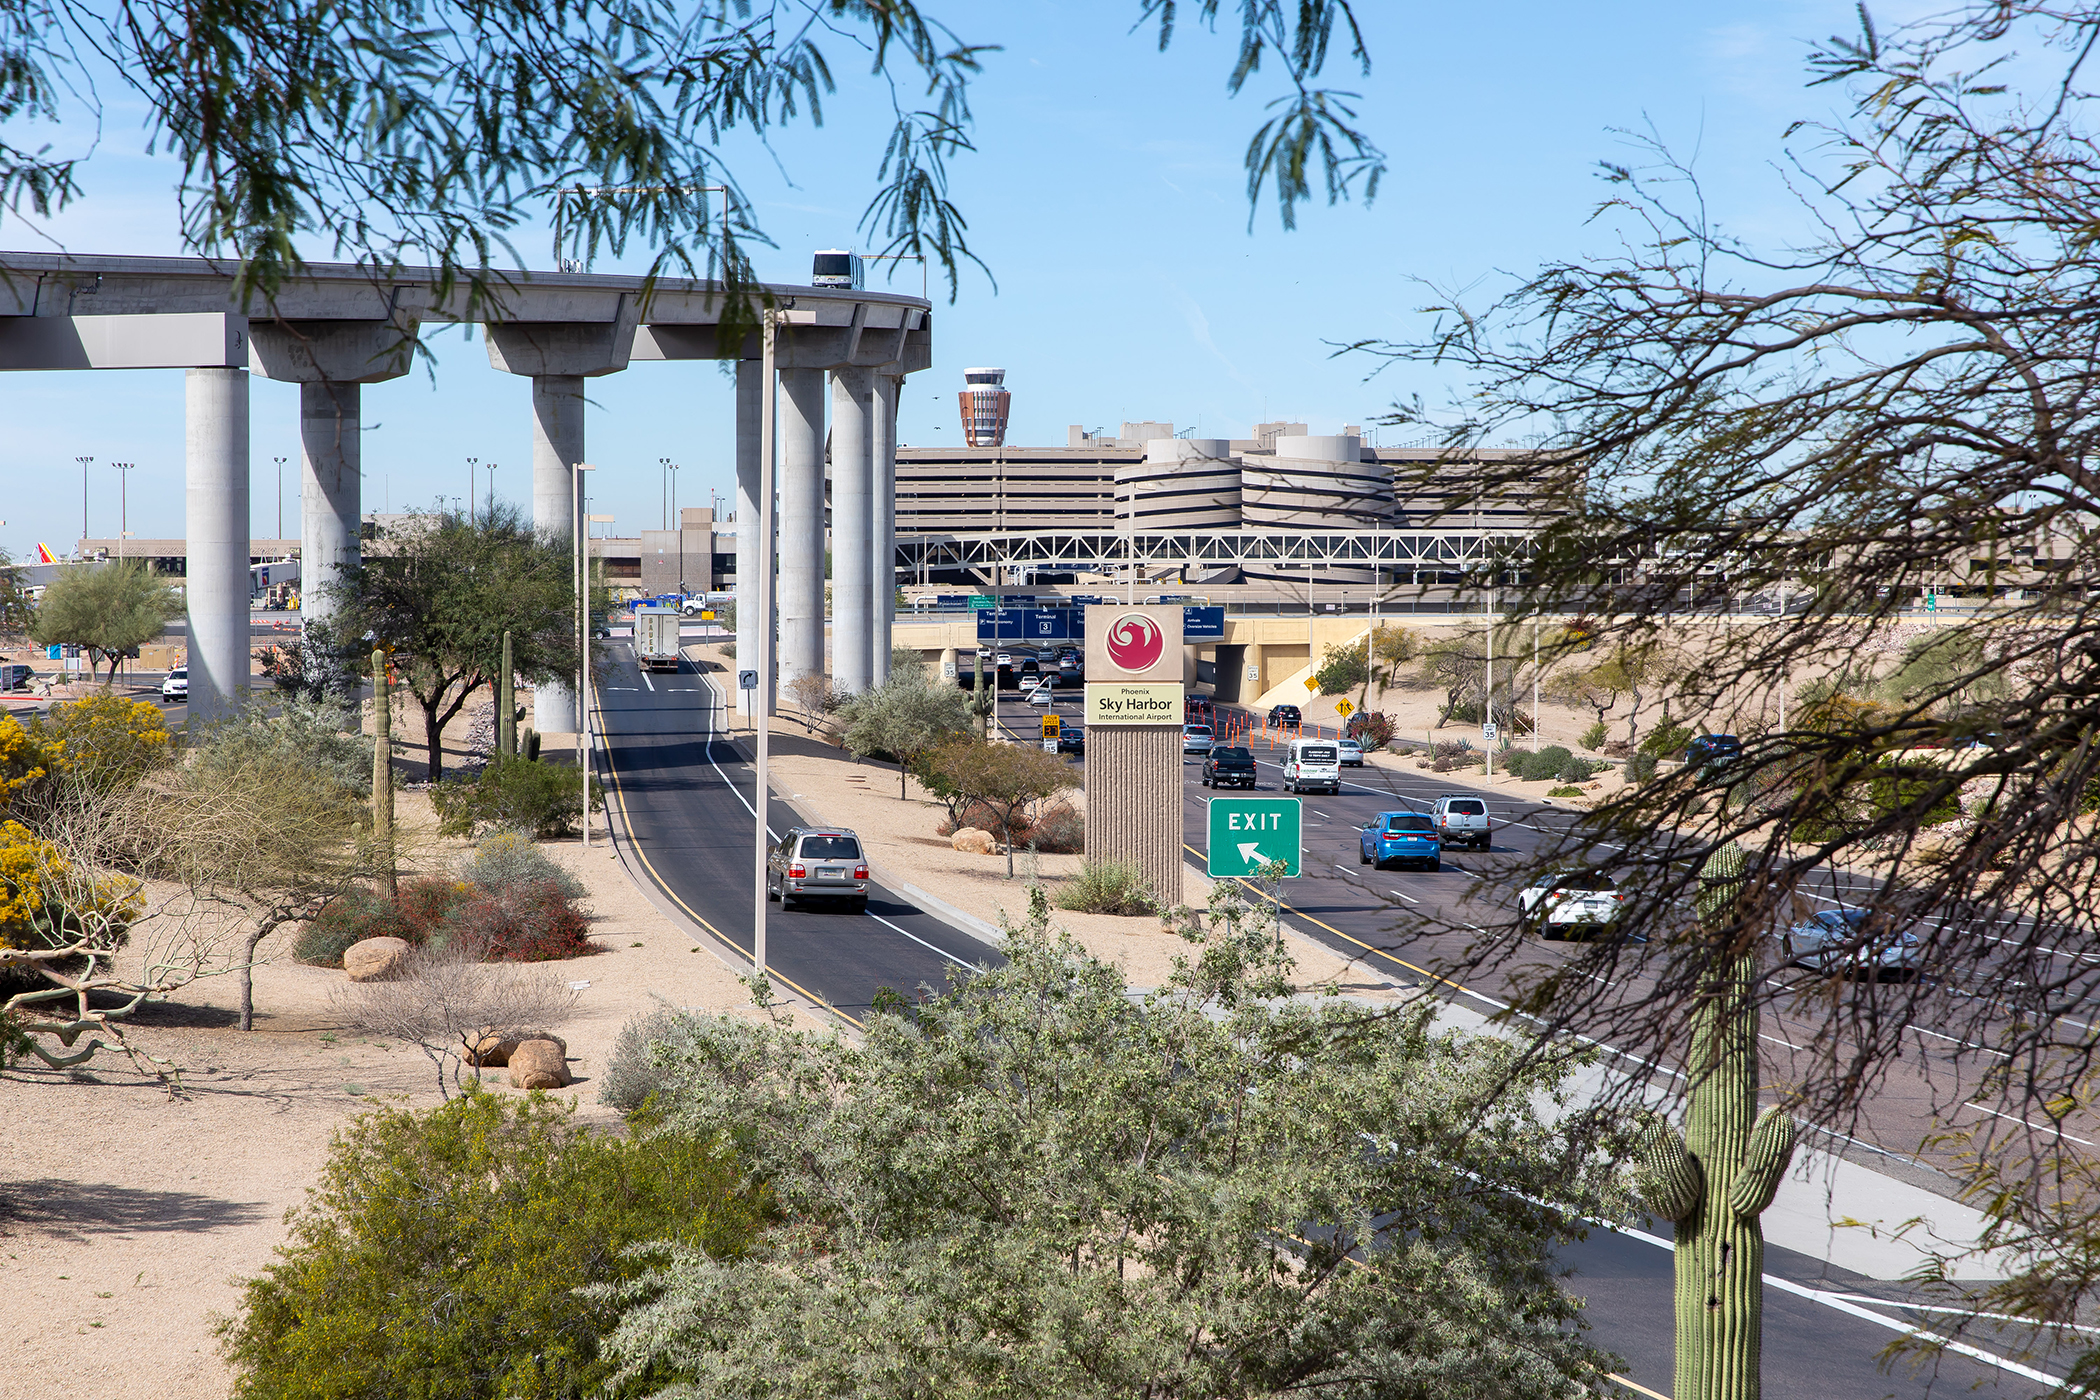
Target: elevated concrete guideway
[(337, 327)]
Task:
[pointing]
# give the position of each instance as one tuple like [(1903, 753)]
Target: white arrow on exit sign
[(1251, 853)]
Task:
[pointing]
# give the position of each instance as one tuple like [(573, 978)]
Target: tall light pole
[(280, 496), (583, 645), (760, 624), (124, 502), (492, 489), (671, 469), (84, 463), (472, 462), (664, 496)]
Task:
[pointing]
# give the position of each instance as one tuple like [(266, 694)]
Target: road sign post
[(1249, 834)]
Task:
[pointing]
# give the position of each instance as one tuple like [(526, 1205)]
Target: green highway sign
[(1247, 833)]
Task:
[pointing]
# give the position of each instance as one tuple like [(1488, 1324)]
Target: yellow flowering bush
[(42, 899), (106, 741), (23, 761)]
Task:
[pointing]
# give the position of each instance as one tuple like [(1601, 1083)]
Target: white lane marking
[(1408, 897), (923, 943), (2015, 1118), (1828, 1300), (1344, 869), (1318, 813), (1966, 1045), (708, 740), (645, 681)]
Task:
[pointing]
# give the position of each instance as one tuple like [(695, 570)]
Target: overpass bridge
[(337, 327)]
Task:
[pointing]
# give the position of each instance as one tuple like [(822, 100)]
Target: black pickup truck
[(1228, 768)]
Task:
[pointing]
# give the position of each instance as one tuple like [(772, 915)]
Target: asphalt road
[(685, 797), (1814, 1348)]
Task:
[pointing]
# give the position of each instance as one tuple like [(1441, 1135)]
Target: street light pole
[(760, 624), (124, 502), (84, 462), (280, 496), (492, 490), (583, 644), (472, 462), (663, 495)]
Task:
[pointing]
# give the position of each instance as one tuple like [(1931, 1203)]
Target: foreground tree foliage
[(1038, 1184), (433, 134), (1906, 407), (441, 1254)]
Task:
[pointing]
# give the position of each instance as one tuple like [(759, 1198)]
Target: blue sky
[(1108, 198)]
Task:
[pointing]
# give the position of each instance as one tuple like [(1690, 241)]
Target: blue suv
[(1401, 838)]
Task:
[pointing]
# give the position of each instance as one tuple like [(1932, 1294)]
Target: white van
[(1313, 764)]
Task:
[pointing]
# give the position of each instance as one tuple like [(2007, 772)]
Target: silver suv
[(808, 863), (1462, 821)]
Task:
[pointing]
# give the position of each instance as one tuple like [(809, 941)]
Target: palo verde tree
[(906, 717), (1826, 434), (109, 609), (440, 591)]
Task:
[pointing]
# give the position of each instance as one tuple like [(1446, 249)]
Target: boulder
[(539, 1064), (974, 841), (375, 959), (492, 1048)]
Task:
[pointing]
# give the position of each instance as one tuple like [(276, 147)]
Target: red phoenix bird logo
[(1134, 643)]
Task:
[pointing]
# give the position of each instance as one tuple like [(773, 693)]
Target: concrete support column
[(852, 527), (801, 429), (887, 386), (330, 492), (215, 481), (752, 555), (557, 446)]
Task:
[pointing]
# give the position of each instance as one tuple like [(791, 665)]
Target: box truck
[(656, 637)]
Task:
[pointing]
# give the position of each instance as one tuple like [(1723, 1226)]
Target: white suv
[(177, 685), (818, 864), (1462, 821)]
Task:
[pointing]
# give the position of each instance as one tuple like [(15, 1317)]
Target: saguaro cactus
[(1718, 1177)]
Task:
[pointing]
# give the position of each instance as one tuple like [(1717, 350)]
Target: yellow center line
[(612, 770), (1403, 962)]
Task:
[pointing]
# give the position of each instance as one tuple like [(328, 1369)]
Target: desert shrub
[(1516, 762), (350, 918), (46, 903), (1464, 712), (1575, 770), (1640, 768), (1454, 749), (1545, 763), (25, 764), (1595, 736), (631, 1074), (1343, 669), (105, 742), (529, 921), (515, 794), (1668, 739), (509, 858), (1057, 831), (428, 904), (319, 736), (972, 813), (1108, 887), (1373, 728), (1564, 792), (443, 1252), (1443, 765)]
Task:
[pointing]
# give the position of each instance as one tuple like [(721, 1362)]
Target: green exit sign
[(981, 601), (1248, 833)]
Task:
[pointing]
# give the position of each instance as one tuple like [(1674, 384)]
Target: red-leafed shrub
[(1058, 831), (528, 921)]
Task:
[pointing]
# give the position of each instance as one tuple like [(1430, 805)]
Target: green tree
[(441, 591), (1008, 779), (15, 608), (1037, 1183), (107, 608), (442, 1253), (905, 717)]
